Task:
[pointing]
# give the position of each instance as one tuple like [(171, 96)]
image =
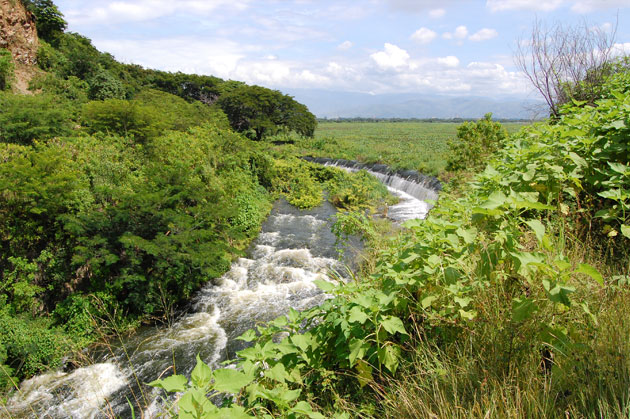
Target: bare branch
[(565, 62)]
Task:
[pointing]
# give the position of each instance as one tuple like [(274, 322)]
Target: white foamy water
[(80, 394), (413, 190)]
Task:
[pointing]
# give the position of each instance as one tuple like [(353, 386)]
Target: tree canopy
[(259, 112)]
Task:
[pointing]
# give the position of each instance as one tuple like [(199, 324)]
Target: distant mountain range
[(329, 104)]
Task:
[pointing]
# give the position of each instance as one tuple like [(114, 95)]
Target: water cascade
[(294, 249), (412, 188)]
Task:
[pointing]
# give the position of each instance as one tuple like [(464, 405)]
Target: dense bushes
[(6, 69), (26, 118)]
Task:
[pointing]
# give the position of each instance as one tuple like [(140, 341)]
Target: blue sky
[(453, 47)]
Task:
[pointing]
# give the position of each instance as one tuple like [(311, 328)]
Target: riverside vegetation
[(124, 188)]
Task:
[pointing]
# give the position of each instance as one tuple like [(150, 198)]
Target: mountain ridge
[(336, 104)]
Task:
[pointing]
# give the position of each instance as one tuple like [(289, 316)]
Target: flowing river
[(294, 248)]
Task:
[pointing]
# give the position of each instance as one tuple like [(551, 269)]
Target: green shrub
[(32, 346), (293, 179), (476, 142), (178, 114), (25, 118), (73, 89), (121, 117), (6, 69), (103, 85)]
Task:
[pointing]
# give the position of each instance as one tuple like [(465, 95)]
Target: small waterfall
[(412, 188)]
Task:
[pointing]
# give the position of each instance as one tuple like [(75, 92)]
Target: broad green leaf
[(625, 230), (289, 396), (230, 381), (365, 373), (532, 205), (194, 404), (303, 408), (248, 336), (324, 285), (362, 300), (560, 294), (522, 308), (389, 356), (357, 315), (467, 314), (538, 228), (592, 272), (277, 373), (463, 301), (301, 341), (495, 200), (579, 161), (434, 260), (393, 324), (171, 384), (358, 347), (525, 259), (486, 211), (428, 300), (201, 376), (619, 168), (468, 235), (561, 264), (233, 412), (618, 124)]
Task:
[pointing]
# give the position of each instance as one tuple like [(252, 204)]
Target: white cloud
[(586, 6), (483, 35), (535, 5), (424, 35), (392, 57), (216, 56), (437, 13), (345, 45), (106, 12), (621, 49), (461, 32), (577, 6), (423, 5), (449, 61)]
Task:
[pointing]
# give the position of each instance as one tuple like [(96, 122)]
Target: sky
[(454, 47)]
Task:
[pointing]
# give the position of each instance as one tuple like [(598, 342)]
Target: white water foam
[(412, 196), (80, 394)]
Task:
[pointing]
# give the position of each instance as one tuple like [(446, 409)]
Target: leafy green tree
[(178, 114), (78, 56), (122, 117), (103, 85), (259, 112), (48, 19), (6, 69), (38, 117)]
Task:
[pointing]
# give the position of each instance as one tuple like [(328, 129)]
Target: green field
[(420, 146)]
